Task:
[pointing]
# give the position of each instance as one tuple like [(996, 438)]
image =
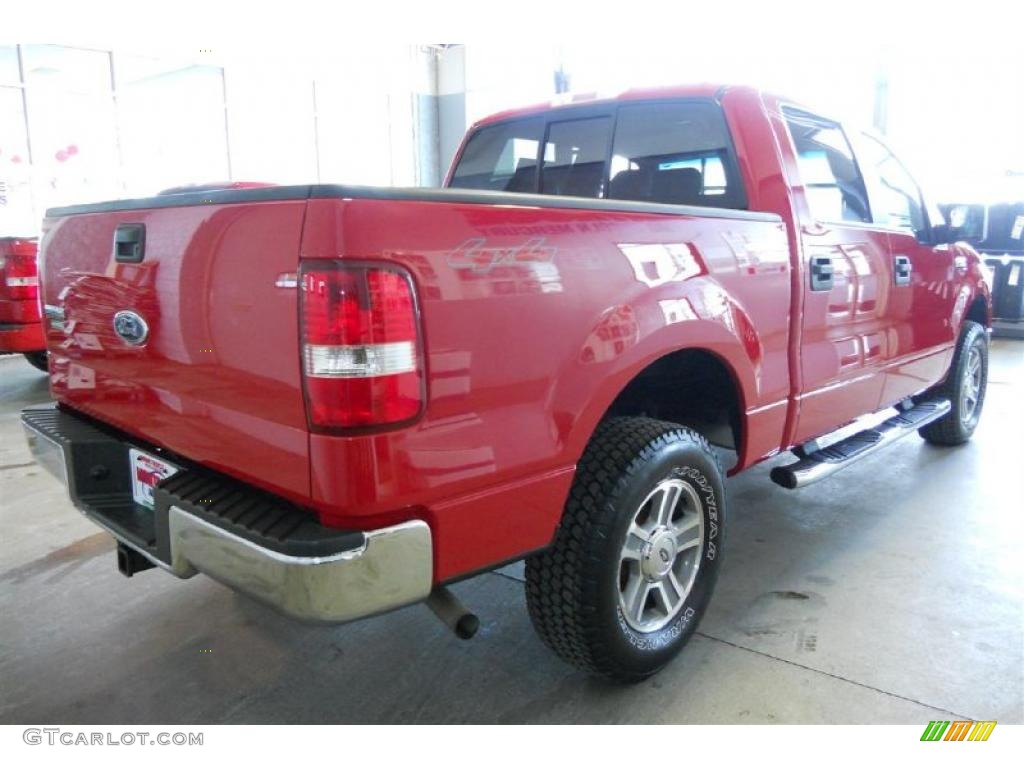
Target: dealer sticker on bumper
[(147, 471)]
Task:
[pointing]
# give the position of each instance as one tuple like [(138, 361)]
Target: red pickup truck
[(20, 326), (339, 399)]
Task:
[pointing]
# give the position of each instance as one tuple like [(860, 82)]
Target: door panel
[(921, 319), (844, 332), (844, 335), (920, 314)]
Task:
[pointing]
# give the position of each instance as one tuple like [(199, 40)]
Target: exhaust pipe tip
[(467, 626), (447, 607), (784, 477)]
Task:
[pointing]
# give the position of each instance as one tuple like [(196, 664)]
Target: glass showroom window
[(271, 128), (172, 124), (354, 141), (9, 71), (71, 125), (17, 213)]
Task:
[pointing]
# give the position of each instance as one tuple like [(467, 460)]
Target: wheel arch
[(700, 386), (979, 310), (692, 386)]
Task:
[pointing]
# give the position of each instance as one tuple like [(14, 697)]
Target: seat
[(583, 180), (678, 186), (524, 179), (630, 185)]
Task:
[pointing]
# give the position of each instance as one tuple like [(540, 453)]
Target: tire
[(589, 602), (38, 360), (965, 386)]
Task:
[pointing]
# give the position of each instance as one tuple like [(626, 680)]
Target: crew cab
[(338, 400), (20, 327)]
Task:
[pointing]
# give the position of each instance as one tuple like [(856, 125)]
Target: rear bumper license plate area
[(187, 519)]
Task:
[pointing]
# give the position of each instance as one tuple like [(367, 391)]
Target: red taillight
[(362, 361), (20, 277)]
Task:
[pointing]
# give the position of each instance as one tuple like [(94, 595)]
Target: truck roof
[(696, 90)]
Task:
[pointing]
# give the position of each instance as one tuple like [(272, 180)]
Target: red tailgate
[(216, 377)]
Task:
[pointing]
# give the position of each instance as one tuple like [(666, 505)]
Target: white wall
[(80, 125)]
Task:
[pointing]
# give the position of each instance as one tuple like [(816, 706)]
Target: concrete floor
[(891, 593)]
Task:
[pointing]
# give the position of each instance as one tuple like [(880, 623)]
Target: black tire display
[(635, 559), (965, 387)]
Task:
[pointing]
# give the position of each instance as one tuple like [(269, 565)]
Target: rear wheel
[(37, 359), (965, 387), (634, 562)]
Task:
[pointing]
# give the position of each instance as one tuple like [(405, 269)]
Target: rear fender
[(628, 338)]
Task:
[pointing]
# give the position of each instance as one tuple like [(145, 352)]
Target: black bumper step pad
[(99, 483), (249, 513)]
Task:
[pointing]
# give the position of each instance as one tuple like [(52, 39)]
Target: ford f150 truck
[(20, 326), (339, 400)]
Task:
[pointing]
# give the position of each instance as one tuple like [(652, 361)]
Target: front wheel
[(634, 561), (965, 387)]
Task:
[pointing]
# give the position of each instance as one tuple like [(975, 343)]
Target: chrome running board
[(819, 464)]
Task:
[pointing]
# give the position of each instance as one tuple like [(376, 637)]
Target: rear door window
[(675, 153), (575, 154), (831, 179)]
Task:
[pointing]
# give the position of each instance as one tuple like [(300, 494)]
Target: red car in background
[(20, 326)]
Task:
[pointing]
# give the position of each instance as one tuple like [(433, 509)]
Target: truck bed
[(536, 310)]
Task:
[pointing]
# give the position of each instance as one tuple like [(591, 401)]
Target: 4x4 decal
[(475, 255)]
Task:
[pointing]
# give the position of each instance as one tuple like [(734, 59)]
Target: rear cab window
[(574, 157), (671, 152), (501, 157), (674, 153)]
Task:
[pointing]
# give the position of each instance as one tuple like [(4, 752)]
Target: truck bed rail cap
[(487, 197), (417, 194)]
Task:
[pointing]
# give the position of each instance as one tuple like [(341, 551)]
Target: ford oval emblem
[(131, 327)]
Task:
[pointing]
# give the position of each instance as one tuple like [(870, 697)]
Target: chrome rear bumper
[(387, 568), (392, 569)]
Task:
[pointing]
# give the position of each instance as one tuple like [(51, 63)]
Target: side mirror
[(966, 222), (946, 233)]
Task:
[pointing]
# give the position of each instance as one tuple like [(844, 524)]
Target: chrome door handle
[(901, 270)]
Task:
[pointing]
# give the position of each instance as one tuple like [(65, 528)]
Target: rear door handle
[(901, 268), (822, 273)]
